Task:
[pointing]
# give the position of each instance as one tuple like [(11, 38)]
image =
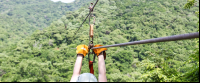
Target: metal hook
[(91, 10), (93, 17)]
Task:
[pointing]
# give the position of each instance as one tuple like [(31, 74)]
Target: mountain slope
[(22, 17), (47, 55)]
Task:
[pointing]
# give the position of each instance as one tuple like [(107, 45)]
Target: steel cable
[(86, 18), (162, 39)]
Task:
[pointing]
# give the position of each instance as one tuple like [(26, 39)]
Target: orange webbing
[(91, 67)]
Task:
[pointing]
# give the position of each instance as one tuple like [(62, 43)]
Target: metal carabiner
[(91, 14), (93, 17)]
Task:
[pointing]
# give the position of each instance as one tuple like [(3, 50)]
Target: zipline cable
[(161, 39), (86, 17)]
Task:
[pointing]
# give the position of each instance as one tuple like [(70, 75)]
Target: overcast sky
[(64, 1)]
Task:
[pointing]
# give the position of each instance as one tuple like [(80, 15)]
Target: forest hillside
[(20, 18), (47, 55)]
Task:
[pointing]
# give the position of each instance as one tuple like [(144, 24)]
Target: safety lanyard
[(91, 34)]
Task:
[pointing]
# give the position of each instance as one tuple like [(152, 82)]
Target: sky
[(64, 1)]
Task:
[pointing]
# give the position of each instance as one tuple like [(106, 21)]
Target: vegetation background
[(36, 37)]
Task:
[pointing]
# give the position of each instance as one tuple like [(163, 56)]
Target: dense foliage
[(46, 55), (19, 18)]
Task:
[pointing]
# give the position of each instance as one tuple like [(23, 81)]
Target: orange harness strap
[(91, 67)]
